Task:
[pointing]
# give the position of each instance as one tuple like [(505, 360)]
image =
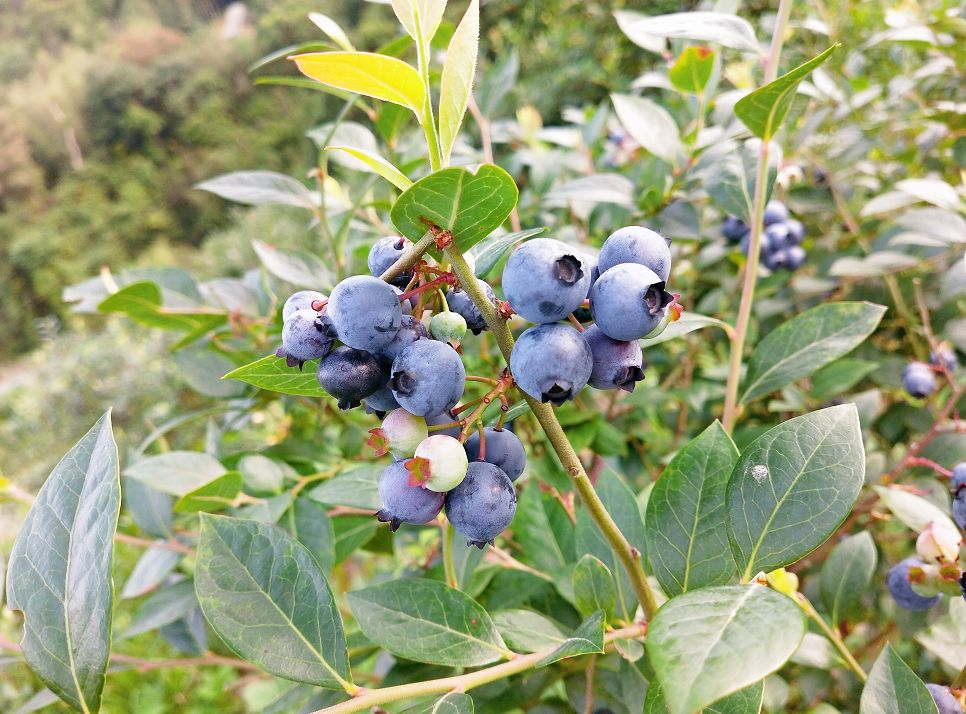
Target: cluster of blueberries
[(919, 378), (412, 375), (780, 242)]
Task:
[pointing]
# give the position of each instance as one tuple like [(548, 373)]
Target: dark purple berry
[(410, 330), (460, 302), (482, 506), (734, 229), (502, 448), (305, 336), (405, 503), (350, 375), (617, 364)]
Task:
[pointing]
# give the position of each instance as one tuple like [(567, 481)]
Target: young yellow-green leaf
[(846, 575), (588, 638), (427, 621), (372, 75), (893, 688), (727, 170), (712, 642), (331, 28), (214, 496), (273, 374), (685, 524), (793, 486), (594, 587), (692, 69), (807, 342), (141, 301), (765, 109), (420, 18), (59, 574), (267, 598), (456, 83), (470, 206), (378, 164)]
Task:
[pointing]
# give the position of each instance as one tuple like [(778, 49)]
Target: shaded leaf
[(847, 574), (152, 567), (451, 703), (893, 688), (309, 523), (176, 472), (357, 487), (163, 607), (527, 631), (728, 172), (487, 253), (840, 376), (728, 30), (304, 270), (587, 639), (255, 188), (599, 188), (594, 587)]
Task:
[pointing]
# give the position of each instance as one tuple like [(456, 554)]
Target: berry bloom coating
[(384, 253), (628, 301), (402, 432), (447, 327), (482, 506), (461, 303), (636, 244), (545, 280), (427, 377), (410, 330), (959, 509), (402, 503), (778, 236), (439, 464), (617, 364), (381, 400), (350, 375), (551, 363), (796, 257), (944, 357), (365, 312), (306, 336), (734, 229), (591, 265), (775, 212), (939, 541), (958, 479), (776, 260), (302, 300), (897, 581), (918, 379), (945, 701), (502, 448), (446, 417), (796, 231)]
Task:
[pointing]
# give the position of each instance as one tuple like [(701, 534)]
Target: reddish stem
[(444, 279)]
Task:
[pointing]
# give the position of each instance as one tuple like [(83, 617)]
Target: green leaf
[(486, 254), (687, 323), (420, 18), (272, 374), (527, 631), (257, 188), (587, 639), (728, 172), (378, 164), (356, 487), (692, 69), (723, 29), (893, 688), (765, 109), (712, 642), (163, 607), (176, 472), (540, 544), (594, 587), (839, 377), (807, 342), (214, 496), (366, 73), (304, 270), (746, 701), (456, 83), (152, 567), (268, 600), (914, 511), (793, 486), (351, 533), (451, 703), (309, 523), (427, 621), (141, 301), (150, 509), (59, 574), (685, 524), (846, 575), (470, 206), (651, 126)]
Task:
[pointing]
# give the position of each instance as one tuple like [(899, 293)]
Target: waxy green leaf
[(846, 575), (893, 688), (274, 375), (594, 587), (586, 639)]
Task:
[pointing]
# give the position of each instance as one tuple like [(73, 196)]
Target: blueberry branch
[(834, 637), (630, 557)]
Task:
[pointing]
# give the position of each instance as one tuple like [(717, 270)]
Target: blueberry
[(959, 509), (776, 260), (302, 300), (399, 434), (502, 448), (591, 264), (445, 417), (408, 305), (764, 245), (403, 502), (350, 375), (551, 363), (796, 257), (778, 236), (365, 312), (461, 303), (439, 464), (410, 330), (897, 580), (628, 301), (775, 212), (545, 280), (734, 229), (482, 506), (306, 335), (447, 327), (796, 231), (384, 253), (381, 400), (958, 479), (427, 377), (636, 244), (944, 356), (918, 379), (617, 364), (945, 701)]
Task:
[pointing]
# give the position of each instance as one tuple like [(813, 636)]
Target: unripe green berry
[(447, 327), (440, 463), (402, 432)]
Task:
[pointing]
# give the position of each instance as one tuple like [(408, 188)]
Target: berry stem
[(834, 637), (449, 570), (575, 322), (445, 279), (630, 557)]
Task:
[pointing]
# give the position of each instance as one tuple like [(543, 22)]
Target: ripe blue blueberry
[(502, 448), (551, 363), (410, 330), (403, 502), (427, 377), (958, 479), (591, 265), (384, 253), (796, 257), (944, 699), (461, 303), (897, 581), (545, 280), (482, 506), (776, 260), (445, 417), (778, 236), (365, 312), (305, 336), (775, 212), (302, 300), (350, 375), (959, 509), (636, 244), (796, 231), (734, 229), (381, 400), (628, 301), (617, 364), (918, 379), (944, 356)]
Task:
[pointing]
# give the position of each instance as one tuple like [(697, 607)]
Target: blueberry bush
[(524, 433)]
